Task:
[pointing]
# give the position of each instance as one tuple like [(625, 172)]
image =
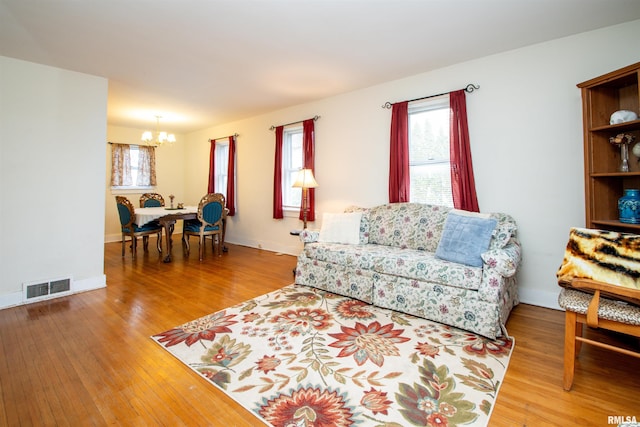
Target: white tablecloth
[(146, 215)]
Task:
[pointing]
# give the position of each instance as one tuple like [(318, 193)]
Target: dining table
[(167, 217)]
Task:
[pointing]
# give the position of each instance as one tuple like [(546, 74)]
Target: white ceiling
[(200, 63)]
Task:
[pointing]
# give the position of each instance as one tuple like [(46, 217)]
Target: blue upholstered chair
[(211, 213), (151, 200), (129, 228)]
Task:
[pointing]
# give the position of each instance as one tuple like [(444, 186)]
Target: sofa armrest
[(505, 260), (498, 265), (309, 236)]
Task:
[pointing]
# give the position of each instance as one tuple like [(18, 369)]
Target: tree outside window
[(429, 161)]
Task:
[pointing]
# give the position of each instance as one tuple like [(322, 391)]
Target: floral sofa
[(394, 261)]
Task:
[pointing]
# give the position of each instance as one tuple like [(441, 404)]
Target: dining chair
[(209, 222), (151, 200), (131, 229)]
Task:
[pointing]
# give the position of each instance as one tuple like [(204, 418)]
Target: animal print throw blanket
[(605, 256)]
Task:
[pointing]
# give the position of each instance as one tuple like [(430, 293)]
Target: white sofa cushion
[(340, 228)]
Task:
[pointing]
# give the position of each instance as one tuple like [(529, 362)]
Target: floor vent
[(36, 291)]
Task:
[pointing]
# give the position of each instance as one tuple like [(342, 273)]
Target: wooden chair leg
[(569, 349), (185, 243), (579, 326), (123, 243), (201, 247), (159, 242)]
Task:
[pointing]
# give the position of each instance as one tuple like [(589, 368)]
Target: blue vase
[(629, 206)]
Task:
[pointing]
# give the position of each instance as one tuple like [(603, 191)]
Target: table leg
[(167, 224), (224, 231)]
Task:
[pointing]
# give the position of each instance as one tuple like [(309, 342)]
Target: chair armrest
[(608, 289), (309, 236), (504, 260), (499, 265)]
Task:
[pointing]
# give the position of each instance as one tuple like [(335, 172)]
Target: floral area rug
[(301, 357)]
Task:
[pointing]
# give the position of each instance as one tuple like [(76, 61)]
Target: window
[(133, 167), (429, 164), (134, 154), (221, 168), (292, 162)]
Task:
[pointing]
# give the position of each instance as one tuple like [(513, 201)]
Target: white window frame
[(221, 162), (132, 189), (292, 162), (441, 163)]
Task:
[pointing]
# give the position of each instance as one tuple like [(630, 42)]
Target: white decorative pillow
[(341, 228)]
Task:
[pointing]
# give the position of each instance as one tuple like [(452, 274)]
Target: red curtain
[(399, 180), (231, 177), (212, 172), (308, 142), (462, 183), (277, 176)]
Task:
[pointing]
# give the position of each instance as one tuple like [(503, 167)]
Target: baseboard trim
[(292, 249), (540, 298), (92, 283)]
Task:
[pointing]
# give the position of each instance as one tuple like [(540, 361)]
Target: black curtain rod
[(293, 123), (469, 89), (142, 144), (235, 135)]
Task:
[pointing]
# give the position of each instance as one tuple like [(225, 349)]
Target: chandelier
[(160, 137)]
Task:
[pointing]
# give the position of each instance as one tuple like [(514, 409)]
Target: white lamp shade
[(305, 179), (160, 137)]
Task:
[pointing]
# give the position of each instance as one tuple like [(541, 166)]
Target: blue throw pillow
[(464, 238)]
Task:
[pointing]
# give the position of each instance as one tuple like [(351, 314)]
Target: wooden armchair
[(151, 200), (131, 229), (600, 276), (210, 222), (596, 311)]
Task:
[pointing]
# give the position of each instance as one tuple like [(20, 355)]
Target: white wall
[(52, 135), (170, 168), (526, 136)]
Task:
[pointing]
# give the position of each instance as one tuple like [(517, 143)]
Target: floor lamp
[(305, 180)]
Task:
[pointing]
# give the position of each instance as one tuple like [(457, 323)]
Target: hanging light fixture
[(160, 137)]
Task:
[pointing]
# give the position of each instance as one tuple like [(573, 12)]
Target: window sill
[(290, 212), (131, 190)]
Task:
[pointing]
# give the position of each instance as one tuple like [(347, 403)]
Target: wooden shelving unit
[(604, 183)]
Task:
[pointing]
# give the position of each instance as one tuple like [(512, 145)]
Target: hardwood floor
[(87, 359)]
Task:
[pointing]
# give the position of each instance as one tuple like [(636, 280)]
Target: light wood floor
[(87, 359)]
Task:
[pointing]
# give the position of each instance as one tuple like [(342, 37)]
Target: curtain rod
[(235, 135), (293, 123), (120, 143), (469, 89)]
